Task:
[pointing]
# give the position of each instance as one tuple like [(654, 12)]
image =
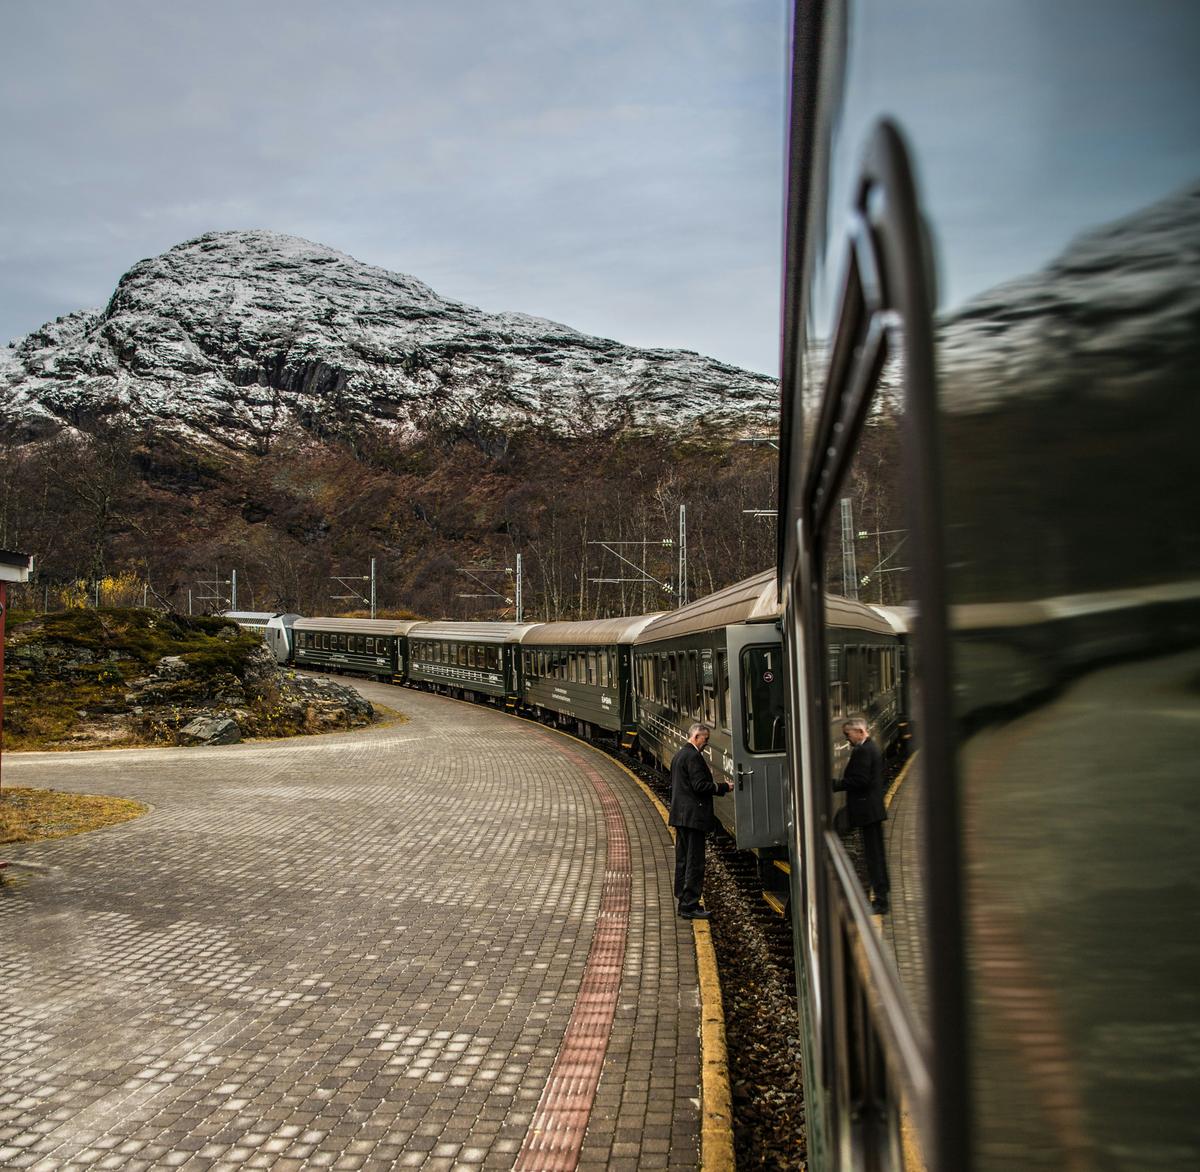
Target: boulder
[(210, 730)]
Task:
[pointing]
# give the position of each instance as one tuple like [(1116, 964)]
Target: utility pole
[(849, 565), (233, 589), (520, 585), (345, 580), (683, 584)]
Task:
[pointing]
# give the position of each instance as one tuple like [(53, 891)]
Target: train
[(636, 682), (988, 426)]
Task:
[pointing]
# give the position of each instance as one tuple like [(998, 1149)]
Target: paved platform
[(410, 946)]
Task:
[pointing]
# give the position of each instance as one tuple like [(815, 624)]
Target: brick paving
[(351, 951), (905, 928)]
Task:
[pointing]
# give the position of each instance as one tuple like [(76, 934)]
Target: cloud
[(557, 152)]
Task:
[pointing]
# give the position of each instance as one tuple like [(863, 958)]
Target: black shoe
[(697, 914)]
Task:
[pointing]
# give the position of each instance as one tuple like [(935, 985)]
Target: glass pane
[(762, 696), (723, 687), (873, 688)]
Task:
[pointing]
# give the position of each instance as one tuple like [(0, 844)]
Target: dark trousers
[(872, 840), (689, 867)]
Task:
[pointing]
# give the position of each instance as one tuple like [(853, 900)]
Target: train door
[(757, 744)]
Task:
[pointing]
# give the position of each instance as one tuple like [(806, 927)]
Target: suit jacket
[(863, 783), (692, 790)]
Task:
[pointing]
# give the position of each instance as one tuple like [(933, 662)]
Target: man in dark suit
[(864, 786), (692, 790)]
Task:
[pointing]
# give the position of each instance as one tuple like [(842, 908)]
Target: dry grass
[(31, 815)]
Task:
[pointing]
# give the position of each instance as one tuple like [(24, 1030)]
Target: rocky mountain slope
[(238, 337)]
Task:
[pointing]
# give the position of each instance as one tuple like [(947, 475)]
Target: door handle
[(742, 774)]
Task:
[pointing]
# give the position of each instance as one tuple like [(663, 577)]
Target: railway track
[(754, 957)]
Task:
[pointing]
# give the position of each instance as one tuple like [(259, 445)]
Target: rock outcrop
[(87, 678)]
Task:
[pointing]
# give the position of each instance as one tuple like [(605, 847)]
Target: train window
[(493, 658), (762, 700), (593, 670), (693, 685), (835, 686), (672, 682), (723, 688)]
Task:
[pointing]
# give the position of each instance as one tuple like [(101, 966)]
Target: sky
[(617, 167)]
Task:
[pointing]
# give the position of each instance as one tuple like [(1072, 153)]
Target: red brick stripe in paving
[(556, 1131)]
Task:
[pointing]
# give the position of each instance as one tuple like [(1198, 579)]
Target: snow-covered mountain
[(1120, 303), (238, 336)]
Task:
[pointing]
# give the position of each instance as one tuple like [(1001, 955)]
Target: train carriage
[(371, 647), (988, 391), (468, 659), (683, 673), (582, 672)]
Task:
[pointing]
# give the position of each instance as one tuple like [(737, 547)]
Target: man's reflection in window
[(863, 783)]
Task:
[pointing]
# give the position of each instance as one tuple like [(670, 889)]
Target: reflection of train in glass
[(638, 681), (992, 292)]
